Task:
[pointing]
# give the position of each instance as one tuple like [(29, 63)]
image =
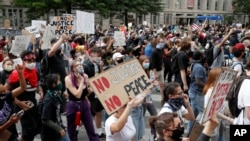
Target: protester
[(78, 90), (239, 54), (52, 127), (119, 126), (8, 117), (8, 66)]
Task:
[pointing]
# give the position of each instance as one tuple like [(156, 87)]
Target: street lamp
[(13, 17)]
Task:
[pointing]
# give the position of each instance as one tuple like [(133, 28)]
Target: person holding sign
[(78, 106), (119, 126), (174, 100)]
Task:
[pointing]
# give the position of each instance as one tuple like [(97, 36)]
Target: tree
[(242, 7)]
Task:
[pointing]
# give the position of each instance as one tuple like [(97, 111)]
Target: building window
[(178, 4), (198, 4), (4, 13), (167, 3), (208, 4), (140, 19), (155, 19), (216, 5), (224, 5)]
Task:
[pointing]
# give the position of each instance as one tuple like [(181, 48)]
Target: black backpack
[(89, 68), (174, 63), (232, 96)]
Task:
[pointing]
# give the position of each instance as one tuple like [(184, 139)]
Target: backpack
[(232, 96), (174, 63), (89, 68), (242, 67)]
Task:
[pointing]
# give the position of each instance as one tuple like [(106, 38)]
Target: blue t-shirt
[(198, 71), (148, 50)]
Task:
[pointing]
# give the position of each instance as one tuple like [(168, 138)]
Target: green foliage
[(241, 6)]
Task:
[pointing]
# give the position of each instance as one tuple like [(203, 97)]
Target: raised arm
[(22, 82)]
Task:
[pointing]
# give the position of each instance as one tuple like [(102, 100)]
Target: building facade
[(175, 12)]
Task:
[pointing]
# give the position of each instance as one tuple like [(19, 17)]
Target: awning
[(216, 17)]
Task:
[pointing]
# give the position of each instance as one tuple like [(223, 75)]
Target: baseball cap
[(117, 55), (239, 46)]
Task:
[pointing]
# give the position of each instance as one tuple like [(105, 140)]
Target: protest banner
[(34, 30), (63, 24), (47, 36), (219, 93), (38, 24), (115, 85), (195, 131), (85, 22), (10, 32), (119, 39), (20, 44)]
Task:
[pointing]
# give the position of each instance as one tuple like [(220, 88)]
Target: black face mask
[(177, 134), (119, 61)]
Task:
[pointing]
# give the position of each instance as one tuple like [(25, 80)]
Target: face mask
[(31, 66), (80, 70), (145, 65), (119, 61), (8, 68), (177, 134), (175, 103), (58, 87)]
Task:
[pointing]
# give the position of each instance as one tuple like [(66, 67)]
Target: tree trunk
[(126, 18), (68, 8)]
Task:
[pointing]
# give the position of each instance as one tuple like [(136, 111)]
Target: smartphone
[(20, 113)]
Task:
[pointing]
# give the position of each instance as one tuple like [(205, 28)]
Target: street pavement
[(82, 136)]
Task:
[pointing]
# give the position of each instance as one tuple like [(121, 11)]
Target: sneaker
[(102, 135)]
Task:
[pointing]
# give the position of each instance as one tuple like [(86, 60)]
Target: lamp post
[(13, 17)]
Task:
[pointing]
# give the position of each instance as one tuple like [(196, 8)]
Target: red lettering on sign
[(216, 105), (113, 102), (100, 83)]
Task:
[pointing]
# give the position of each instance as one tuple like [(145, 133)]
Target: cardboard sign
[(38, 24), (119, 39), (195, 131), (34, 30), (20, 44), (219, 93), (47, 36), (63, 24), (85, 22), (114, 86), (6, 23), (10, 32)]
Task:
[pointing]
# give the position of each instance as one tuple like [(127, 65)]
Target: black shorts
[(96, 105)]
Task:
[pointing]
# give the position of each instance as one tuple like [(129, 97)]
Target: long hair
[(52, 79), (72, 75), (163, 121), (213, 76), (170, 88)]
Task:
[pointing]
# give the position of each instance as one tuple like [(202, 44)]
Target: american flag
[(195, 27)]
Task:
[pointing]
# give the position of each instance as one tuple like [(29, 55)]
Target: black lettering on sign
[(137, 86), (238, 132)]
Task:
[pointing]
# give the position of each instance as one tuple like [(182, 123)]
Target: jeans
[(138, 120), (197, 104), (149, 105), (65, 137)]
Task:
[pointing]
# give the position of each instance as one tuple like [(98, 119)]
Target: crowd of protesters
[(72, 60)]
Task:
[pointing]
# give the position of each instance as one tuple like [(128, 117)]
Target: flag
[(195, 27)]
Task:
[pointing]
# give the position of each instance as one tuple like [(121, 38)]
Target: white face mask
[(31, 66)]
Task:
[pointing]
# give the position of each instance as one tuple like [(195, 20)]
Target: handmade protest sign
[(38, 23), (20, 44), (10, 32), (34, 30), (85, 22), (119, 39), (219, 93), (114, 86), (47, 36), (63, 24), (6, 23)]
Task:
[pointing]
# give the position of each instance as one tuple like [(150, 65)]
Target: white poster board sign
[(119, 39), (34, 30), (47, 36), (85, 22), (63, 24), (219, 93), (20, 44), (114, 86), (38, 24)]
